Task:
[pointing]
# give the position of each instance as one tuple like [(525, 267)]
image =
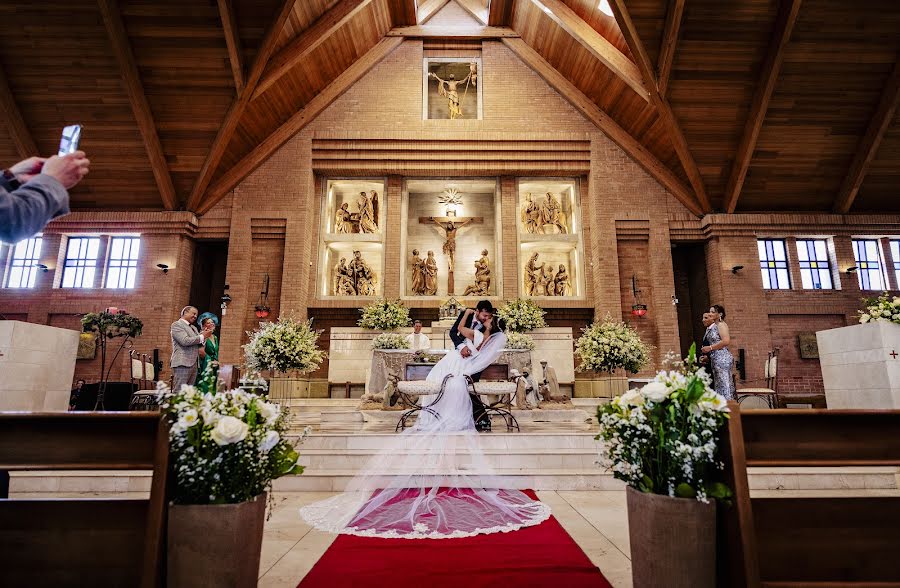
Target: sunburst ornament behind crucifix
[(451, 198)]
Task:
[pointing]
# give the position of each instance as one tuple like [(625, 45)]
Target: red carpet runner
[(539, 556)]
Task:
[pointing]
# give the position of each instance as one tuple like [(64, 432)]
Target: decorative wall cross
[(450, 225)]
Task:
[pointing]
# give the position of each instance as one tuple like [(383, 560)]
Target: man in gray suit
[(186, 342)]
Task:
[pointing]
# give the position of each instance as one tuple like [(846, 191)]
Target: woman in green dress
[(209, 352)]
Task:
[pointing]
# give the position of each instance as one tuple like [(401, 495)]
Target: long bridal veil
[(433, 480)]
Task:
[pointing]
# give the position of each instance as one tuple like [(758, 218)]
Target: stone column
[(391, 231)]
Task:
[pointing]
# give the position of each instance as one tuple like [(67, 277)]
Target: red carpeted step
[(539, 556)]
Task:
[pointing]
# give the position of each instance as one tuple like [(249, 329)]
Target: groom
[(483, 311)]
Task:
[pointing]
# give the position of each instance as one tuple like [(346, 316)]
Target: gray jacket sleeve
[(185, 336), (26, 210)]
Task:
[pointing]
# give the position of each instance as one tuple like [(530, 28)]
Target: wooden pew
[(87, 541), (795, 542)]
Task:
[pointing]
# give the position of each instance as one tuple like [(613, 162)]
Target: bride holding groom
[(433, 480)]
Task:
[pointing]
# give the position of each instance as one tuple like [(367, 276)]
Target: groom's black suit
[(478, 414)]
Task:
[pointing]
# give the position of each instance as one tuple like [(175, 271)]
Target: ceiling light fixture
[(605, 8)]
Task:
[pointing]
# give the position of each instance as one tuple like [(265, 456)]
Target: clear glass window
[(773, 264), (23, 263), (815, 267), (122, 266), (869, 269), (80, 266)]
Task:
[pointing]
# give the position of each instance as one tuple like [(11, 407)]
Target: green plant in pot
[(106, 326), (663, 441), (226, 449)]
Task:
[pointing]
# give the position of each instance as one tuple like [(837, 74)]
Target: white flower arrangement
[(664, 438), (384, 315), (522, 315), (519, 341), (610, 345), (390, 341), (226, 447), (882, 308), (283, 346)]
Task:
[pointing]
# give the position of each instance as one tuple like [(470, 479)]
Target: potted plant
[(226, 448), (663, 441), (610, 348), (883, 308), (106, 326), (384, 315), (390, 341), (288, 348), (522, 315)]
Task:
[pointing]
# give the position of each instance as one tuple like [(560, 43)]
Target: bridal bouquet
[(384, 315), (610, 345), (390, 341), (226, 447), (882, 308), (519, 341), (283, 346), (522, 315), (664, 438)]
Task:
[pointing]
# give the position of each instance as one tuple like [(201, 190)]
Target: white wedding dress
[(432, 481)]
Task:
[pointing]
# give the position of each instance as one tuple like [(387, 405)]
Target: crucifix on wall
[(450, 225)]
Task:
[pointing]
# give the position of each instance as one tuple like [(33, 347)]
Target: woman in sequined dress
[(721, 361)]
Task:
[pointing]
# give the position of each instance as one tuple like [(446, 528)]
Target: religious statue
[(368, 220), (343, 280), (546, 286), (532, 273), (342, 221), (531, 215), (549, 388), (482, 286), (552, 214), (431, 270), (561, 281), (417, 268), (448, 89), (450, 227)]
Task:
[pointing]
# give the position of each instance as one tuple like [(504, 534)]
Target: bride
[(433, 480)]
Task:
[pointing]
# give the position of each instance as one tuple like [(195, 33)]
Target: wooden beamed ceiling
[(732, 106)]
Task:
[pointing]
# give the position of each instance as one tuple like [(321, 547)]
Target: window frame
[(813, 265), (768, 272), (36, 245), (895, 258), (67, 267), (126, 265), (864, 271)]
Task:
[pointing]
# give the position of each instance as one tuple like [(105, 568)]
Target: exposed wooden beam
[(297, 122), (234, 114), (634, 148), (233, 42), (121, 47), (500, 13), (868, 145), (15, 124), (300, 48), (476, 9), (629, 31), (427, 32), (668, 43), (403, 12), (765, 86), (428, 9), (595, 43)]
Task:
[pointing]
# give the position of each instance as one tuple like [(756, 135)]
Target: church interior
[(320, 166)]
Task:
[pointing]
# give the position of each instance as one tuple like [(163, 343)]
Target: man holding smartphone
[(35, 191)]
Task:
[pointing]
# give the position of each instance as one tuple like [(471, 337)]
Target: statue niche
[(365, 220), (538, 216), (354, 279), (542, 280), (482, 285)]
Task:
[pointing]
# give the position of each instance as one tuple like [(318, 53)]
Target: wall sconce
[(42, 267), (852, 269), (637, 309), (262, 306), (163, 267), (674, 300), (736, 269)]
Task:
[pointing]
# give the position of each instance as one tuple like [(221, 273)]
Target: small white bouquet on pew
[(882, 308), (664, 437)]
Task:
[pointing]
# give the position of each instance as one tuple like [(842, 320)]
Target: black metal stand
[(495, 409), (417, 408)]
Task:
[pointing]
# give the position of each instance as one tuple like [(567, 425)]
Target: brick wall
[(795, 374)]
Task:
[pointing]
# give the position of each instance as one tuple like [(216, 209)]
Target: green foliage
[(881, 308), (519, 341), (610, 345), (390, 341), (522, 315), (284, 346), (384, 315), (120, 324)]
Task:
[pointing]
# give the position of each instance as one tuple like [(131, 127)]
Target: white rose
[(269, 441), (864, 318), (655, 391), (229, 430), (269, 411), (632, 398), (188, 419)]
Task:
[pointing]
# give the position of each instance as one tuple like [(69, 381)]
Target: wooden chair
[(767, 395), (143, 380), (809, 541), (88, 541)]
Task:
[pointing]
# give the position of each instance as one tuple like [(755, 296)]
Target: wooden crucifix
[(450, 225)]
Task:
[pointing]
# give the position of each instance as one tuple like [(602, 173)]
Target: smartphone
[(71, 136)]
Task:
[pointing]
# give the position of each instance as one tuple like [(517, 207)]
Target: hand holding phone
[(71, 137), (68, 169)]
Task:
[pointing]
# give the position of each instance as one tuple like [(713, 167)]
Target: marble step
[(356, 459), (502, 441)]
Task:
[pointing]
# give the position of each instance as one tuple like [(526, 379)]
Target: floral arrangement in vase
[(882, 308), (519, 341), (610, 345), (522, 315), (390, 341), (226, 447), (283, 346), (664, 438), (105, 326), (384, 315)]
